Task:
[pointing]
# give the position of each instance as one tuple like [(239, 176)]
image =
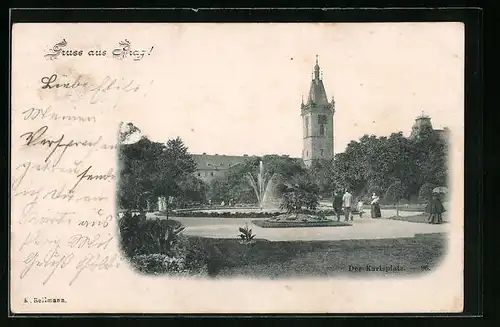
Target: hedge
[(227, 214)]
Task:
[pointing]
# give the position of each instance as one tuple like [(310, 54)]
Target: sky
[(236, 89)]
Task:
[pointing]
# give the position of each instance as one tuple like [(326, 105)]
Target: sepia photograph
[(172, 167), (356, 188)]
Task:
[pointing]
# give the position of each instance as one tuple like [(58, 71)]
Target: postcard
[(237, 168)]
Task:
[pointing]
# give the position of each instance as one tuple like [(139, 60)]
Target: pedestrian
[(435, 209), (375, 206), (337, 204), (360, 207), (347, 204)]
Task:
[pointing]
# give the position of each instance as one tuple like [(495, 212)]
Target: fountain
[(261, 185)]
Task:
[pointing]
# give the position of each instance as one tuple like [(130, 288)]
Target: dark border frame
[(473, 19)]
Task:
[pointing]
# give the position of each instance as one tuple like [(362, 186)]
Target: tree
[(321, 172), (301, 192), (218, 190), (425, 192), (171, 165), (395, 192), (374, 189), (430, 158), (372, 164), (148, 170), (192, 189)]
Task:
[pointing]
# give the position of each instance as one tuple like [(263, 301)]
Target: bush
[(158, 263), (425, 192), (140, 236), (246, 234), (303, 194)]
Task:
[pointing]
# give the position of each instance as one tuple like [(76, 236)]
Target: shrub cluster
[(158, 246)]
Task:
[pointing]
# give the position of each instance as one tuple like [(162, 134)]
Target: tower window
[(211, 173), (307, 154), (307, 126), (199, 174), (321, 129), (322, 152), (322, 119)]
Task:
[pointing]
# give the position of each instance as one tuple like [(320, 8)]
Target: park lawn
[(408, 209), (266, 259)]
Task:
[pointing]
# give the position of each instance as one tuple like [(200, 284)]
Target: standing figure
[(360, 207), (375, 206), (435, 209), (347, 203), (337, 204)]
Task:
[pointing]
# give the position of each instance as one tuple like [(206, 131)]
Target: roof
[(219, 161), (317, 93)]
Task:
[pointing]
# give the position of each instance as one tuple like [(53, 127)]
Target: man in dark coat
[(337, 204)]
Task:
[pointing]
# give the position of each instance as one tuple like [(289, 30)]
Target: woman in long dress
[(375, 206), (435, 209)]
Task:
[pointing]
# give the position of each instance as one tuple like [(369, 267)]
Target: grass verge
[(266, 259)]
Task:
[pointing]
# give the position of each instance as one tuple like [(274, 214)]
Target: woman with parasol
[(375, 206), (435, 207)]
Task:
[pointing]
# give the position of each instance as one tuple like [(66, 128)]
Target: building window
[(211, 173), (322, 152), (307, 126), (307, 154), (321, 129), (321, 119), (199, 174)]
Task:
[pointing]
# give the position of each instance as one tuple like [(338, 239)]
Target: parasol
[(440, 189)]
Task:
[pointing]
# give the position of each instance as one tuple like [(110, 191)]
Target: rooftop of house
[(220, 161)]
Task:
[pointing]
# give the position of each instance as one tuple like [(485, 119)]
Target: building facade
[(211, 166), (423, 125), (317, 121)]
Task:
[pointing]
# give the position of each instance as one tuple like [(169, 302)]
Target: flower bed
[(298, 220), (226, 214)]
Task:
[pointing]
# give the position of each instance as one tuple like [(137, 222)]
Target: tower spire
[(316, 69)]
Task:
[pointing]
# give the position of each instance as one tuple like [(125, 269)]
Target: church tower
[(317, 121)]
